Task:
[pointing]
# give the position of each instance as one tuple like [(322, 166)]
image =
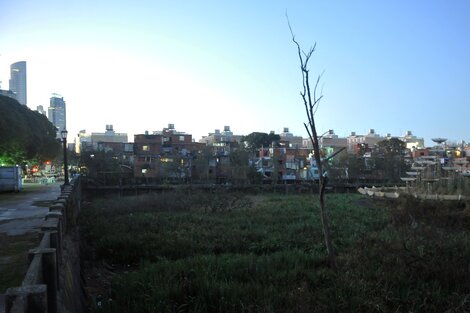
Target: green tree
[(25, 134), (257, 140), (242, 171), (351, 166), (389, 157), (201, 164)]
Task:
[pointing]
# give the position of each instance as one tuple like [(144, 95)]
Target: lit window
[(181, 138), (145, 148)]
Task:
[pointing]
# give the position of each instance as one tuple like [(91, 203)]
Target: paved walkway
[(23, 212)]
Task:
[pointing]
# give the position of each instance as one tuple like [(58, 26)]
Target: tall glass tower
[(18, 81), (56, 113)]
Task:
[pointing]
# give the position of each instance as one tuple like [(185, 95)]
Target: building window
[(145, 148), (181, 138)]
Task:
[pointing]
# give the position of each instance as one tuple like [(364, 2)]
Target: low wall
[(52, 283), (396, 192)]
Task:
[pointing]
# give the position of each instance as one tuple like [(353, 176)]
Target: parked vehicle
[(11, 178)]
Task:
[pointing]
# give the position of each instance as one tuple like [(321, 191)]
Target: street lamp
[(63, 134), (329, 131)]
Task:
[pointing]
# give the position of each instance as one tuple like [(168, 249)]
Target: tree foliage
[(258, 140), (25, 134), (392, 146), (389, 157)]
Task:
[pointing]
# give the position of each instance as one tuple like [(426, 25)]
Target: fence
[(42, 289)]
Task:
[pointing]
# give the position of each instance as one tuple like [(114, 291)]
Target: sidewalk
[(21, 216)]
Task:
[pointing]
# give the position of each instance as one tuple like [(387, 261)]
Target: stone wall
[(52, 283)]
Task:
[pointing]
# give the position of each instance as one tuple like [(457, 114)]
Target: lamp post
[(63, 134)]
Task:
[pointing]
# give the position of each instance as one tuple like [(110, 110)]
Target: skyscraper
[(40, 109), (57, 113), (18, 81)]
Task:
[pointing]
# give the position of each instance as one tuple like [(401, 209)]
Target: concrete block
[(51, 224), (57, 207), (50, 275), (26, 299)]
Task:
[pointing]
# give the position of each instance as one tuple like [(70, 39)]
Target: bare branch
[(309, 54), (308, 132), (316, 103), (311, 106), (295, 41), (288, 23), (306, 106), (303, 68)]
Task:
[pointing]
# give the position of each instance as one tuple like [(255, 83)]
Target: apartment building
[(90, 142), (412, 142), (330, 142), (289, 140), (220, 137), (221, 143), (288, 164), (165, 154), (357, 143)]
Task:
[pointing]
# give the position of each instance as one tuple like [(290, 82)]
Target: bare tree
[(311, 100)]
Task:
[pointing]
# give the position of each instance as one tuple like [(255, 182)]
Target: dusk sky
[(388, 65)]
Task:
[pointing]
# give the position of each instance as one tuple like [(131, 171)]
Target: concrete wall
[(52, 283)]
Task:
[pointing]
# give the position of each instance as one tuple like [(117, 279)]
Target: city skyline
[(393, 66), (18, 81), (57, 113)]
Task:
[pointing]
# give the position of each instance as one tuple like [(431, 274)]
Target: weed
[(205, 252), (14, 259)]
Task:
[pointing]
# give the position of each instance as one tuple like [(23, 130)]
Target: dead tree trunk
[(311, 103)]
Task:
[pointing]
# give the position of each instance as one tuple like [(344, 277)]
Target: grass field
[(205, 252), (14, 258)]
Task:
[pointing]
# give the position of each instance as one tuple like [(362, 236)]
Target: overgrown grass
[(173, 226), (205, 252), (14, 259), (226, 283)]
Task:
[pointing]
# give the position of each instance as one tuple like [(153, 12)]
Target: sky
[(390, 65)]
